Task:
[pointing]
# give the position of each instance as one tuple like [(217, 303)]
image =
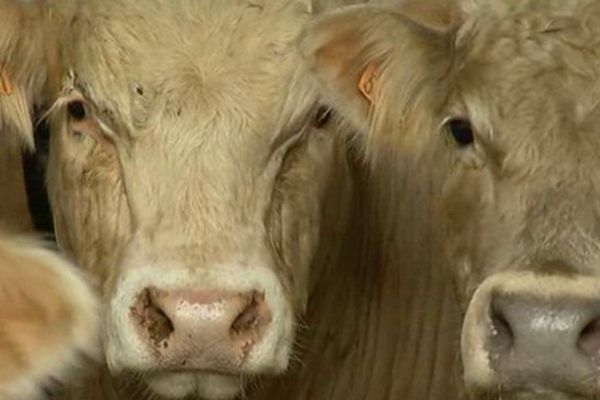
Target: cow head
[(191, 172), (486, 115)]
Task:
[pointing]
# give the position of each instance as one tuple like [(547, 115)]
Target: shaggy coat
[(202, 143), (481, 124)]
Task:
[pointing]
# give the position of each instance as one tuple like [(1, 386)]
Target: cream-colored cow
[(201, 181), (481, 120), (194, 174)]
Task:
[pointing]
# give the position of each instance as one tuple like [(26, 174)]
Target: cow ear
[(26, 55), (350, 50)]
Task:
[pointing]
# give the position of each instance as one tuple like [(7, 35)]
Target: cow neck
[(14, 214), (33, 169), (382, 321)]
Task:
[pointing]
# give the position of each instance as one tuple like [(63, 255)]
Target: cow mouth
[(530, 395), (195, 384)]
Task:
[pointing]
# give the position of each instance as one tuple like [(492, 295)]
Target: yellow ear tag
[(366, 83), (6, 86)]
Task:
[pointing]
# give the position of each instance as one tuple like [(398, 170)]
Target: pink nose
[(201, 329)]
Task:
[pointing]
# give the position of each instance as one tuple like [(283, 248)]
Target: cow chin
[(528, 395), (198, 385)]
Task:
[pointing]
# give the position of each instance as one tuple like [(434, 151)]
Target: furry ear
[(27, 54), (48, 319), (350, 49)]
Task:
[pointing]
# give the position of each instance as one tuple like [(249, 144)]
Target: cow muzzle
[(199, 333), (533, 336), (213, 330)]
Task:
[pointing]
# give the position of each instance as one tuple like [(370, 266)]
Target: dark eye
[(322, 117), (461, 130), (76, 110)]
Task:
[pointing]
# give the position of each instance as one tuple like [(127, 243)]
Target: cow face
[(489, 113), (190, 172)]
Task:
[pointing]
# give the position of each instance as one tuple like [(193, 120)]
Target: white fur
[(212, 386)]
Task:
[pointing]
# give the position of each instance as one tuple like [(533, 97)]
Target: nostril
[(589, 339), (151, 318), (501, 333), (247, 320), (253, 317)]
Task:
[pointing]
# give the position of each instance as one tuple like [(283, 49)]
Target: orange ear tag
[(6, 86), (366, 83)]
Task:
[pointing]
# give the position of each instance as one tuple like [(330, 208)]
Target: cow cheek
[(293, 234), (461, 205), (306, 187), (89, 206)]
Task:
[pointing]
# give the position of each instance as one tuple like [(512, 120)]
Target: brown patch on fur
[(14, 213)]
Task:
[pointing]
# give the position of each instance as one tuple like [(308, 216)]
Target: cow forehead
[(537, 64), (205, 57)]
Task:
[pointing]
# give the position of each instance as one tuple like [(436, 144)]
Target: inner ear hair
[(6, 85), (368, 82)]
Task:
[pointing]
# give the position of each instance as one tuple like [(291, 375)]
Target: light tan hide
[(48, 320), (481, 123), (200, 145)]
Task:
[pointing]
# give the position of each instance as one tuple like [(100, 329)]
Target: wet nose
[(536, 341), (207, 329)]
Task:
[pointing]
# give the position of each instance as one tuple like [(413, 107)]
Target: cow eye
[(322, 117), (77, 110), (461, 131)]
